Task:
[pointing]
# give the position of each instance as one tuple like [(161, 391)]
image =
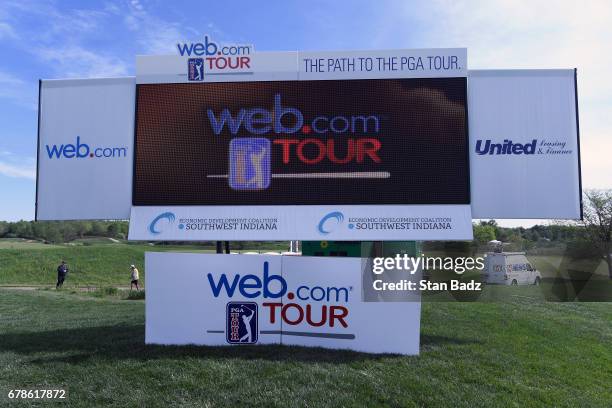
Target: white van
[(510, 268)]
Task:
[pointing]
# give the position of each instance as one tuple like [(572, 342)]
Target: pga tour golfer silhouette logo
[(195, 69), (250, 167), (241, 323)]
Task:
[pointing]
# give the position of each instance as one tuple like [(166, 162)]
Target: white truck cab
[(510, 268)]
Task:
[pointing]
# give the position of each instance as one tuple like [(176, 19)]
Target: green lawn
[(19, 243), (521, 352), (99, 262), (107, 264), (549, 265)]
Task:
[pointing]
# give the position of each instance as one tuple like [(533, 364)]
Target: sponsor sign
[(85, 149), (253, 299), (305, 222), (524, 148)]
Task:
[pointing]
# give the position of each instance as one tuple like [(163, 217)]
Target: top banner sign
[(196, 62)]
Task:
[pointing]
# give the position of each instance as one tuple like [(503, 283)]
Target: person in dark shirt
[(62, 270)]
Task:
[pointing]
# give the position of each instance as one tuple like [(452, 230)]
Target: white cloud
[(12, 165), (7, 79), (77, 62), (528, 34), (7, 31), (154, 34), (17, 90), (60, 39)]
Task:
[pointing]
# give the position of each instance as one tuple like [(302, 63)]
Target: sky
[(88, 39)]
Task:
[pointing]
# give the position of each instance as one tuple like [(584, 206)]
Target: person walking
[(62, 271), (134, 277)]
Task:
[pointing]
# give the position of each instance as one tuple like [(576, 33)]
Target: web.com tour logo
[(208, 48), (213, 57), (325, 309), (79, 150), (288, 132)]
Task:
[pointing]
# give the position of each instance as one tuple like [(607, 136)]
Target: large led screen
[(376, 141)]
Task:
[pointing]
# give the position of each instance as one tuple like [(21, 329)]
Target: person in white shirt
[(134, 277)]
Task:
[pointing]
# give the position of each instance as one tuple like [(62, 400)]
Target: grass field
[(97, 261), (511, 349), (19, 243), (517, 353)]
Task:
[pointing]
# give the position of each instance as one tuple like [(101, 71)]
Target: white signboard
[(252, 299), (524, 151), (85, 149), (304, 222), (407, 63), (190, 66)]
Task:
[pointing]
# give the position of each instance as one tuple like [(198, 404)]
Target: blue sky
[(65, 39)]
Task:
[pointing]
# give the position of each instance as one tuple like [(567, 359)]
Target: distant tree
[(123, 228), (39, 230), (492, 223), (597, 222), (68, 231), (82, 228), (112, 230), (98, 229), (515, 236), (484, 233), (21, 229), (53, 233)]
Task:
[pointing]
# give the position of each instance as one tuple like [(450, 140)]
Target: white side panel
[(532, 113), (85, 149)]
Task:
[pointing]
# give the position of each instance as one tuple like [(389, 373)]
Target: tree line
[(63, 231)]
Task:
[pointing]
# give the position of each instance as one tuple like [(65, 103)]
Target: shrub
[(109, 291), (136, 295), (582, 249)]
